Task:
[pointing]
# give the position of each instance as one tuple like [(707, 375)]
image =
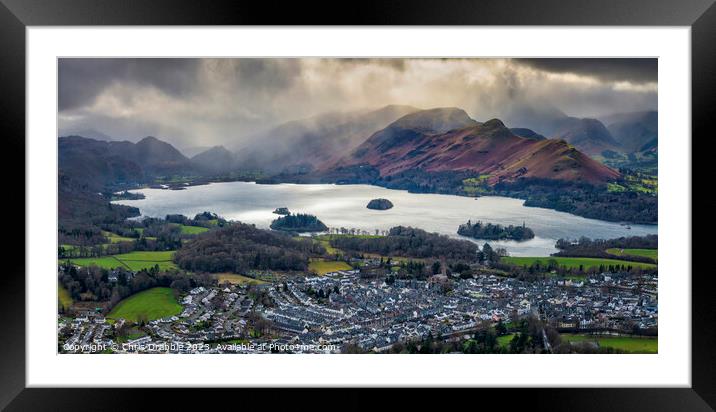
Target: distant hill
[(158, 157), (588, 135), (635, 132), (541, 119), (439, 120), (214, 160), (98, 163), (88, 133), (301, 145), (399, 141), (527, 133), (192, 151), (444, 140)]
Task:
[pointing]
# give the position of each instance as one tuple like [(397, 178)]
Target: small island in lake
[(380, 204), (282, 211), (299, 223), (126, 195), (489, 231)]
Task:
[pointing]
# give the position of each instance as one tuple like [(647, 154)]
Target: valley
[(299, 218)]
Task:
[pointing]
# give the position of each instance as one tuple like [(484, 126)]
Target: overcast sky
[(203, 102)]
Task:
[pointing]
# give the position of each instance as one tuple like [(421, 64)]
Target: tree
[(500, 328), (181, 285), (436, 267), (489, 254)]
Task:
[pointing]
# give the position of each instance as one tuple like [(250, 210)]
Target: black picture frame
[(16, 15)]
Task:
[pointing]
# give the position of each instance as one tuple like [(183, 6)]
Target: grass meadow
[(573, 262), (132, 260), (149, 304)]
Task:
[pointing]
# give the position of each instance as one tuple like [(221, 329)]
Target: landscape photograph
[(357, 206)]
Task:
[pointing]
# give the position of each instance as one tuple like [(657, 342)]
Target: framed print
[(422, 197)]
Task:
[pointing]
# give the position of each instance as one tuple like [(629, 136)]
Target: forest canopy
[(490, 231), (241, 247), (299, 223), (408, 241)]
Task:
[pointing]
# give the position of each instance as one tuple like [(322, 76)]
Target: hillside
[(153, 155), (448, 140), (79, 206), (99, 163), (588, 135), (89, 167), (299, 146), (636, 132), (214, 160), (527, 133)]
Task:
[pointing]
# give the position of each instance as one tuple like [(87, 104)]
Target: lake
[(345, 206)]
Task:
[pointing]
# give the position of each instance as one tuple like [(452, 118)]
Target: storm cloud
[(82, 80), (643, 70), (203, 102)]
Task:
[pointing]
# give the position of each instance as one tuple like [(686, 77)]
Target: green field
[(504, 340), (321, 267), (150, 304), (573, 262), (235, 279), (625, 343), (115, 238), (64, 297), (475, 185), (163, 255), (329, 249), (649, 253), (132, 260), (642, 183), (106, 262), (191, 230)]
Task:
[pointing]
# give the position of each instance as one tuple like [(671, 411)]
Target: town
[(353, 311)]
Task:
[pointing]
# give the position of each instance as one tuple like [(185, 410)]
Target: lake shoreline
[(209, 181), (340, 205)]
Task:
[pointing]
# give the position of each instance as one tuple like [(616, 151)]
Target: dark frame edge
[(12, 283), (14, 395), (368, 12), (703, 78)]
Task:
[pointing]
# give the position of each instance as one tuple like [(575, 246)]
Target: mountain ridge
[(98, 162), (303, 144), (486, 148), (635, 131), (587, 134), (216, 159)]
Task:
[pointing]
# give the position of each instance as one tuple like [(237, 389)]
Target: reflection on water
[(345, 206)]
